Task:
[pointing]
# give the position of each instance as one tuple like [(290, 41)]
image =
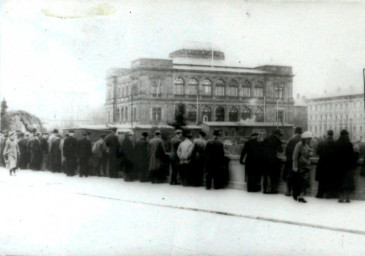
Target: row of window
[(336, 106), (219, 88), (330, 117), (323, 129)]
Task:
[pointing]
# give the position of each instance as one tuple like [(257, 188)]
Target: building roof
[(195, 45), (332, 96), (220, 69), (246, 124)]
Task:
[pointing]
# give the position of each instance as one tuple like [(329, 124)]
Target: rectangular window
[(219, 91), (233, 91), (156, 114), (259, 92), (193, 90), (246, 92)]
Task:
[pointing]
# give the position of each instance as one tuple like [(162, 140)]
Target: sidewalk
[(317, 213)]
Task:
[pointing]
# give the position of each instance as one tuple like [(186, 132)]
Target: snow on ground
[(44, 213)]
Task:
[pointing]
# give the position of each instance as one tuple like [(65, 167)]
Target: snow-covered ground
[(43, 213)]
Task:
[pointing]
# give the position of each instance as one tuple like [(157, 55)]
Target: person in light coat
[(301, 166), (184, 152), (11, 153)]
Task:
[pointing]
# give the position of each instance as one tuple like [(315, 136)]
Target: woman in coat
[(345, 164), (11, 153), (301, 167)]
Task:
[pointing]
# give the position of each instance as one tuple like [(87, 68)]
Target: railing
[(237, 178)]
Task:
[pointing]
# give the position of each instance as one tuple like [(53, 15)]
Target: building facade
[(301, 113), (150, 90), (337, 113)]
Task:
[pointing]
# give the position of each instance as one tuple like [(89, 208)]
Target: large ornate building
[(196, 75), (337, 113)]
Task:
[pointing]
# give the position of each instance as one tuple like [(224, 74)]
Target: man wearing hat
[(70, 154), (326, 164), (158, 164), (84, 153), (252, 151), (272, 147), (35, 152), (174, 160), (214, 161), (112, 143), (55, 154), (11, 153), (199, 158), (99, 153), (141, 157), (22, 144), (127, 153), (288, 169), (185, 152), (45, 151)]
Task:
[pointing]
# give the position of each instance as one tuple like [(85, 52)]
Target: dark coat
[(289, 150), (326, 152), (175, 142), (252, 150), (141, 155), (271, 147), (345, 162), (70, 147), (35, 152), (55, 155), (158, 161), (84, 148), (214, 155), (44, 145), (24, 154), (112, 142), (127, 153)]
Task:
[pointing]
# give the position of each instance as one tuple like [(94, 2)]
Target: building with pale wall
[(198, 76), (337, 113)]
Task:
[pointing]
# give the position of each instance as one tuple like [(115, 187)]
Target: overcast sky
[(56, 53)]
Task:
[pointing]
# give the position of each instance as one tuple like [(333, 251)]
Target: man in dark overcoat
[(112, 143), (35, 152), (198, 158), (288, 168), (22, 144), (214, 161), (127, 154), (272, 146), (158, 161), (55, 154), (45, 151), (345, 161), (252, 150), (84, 153), (70, 154), (325, 166), (142, 158), (174, 160)]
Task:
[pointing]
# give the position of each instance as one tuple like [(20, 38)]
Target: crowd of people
[(193, 161), (334, 172)]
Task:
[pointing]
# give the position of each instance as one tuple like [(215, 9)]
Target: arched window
[(191, 111), (246, 113), (246, 89), (219, 114), (259, 115), (207, 87), (219, 87), (179, 86), (193, 86), (233, 114), (207, 113), (233, 88), (259, 89)]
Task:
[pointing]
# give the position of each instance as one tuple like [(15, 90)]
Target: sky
[(56, 53)]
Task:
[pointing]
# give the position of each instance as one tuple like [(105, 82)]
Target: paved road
[(41, 215)]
